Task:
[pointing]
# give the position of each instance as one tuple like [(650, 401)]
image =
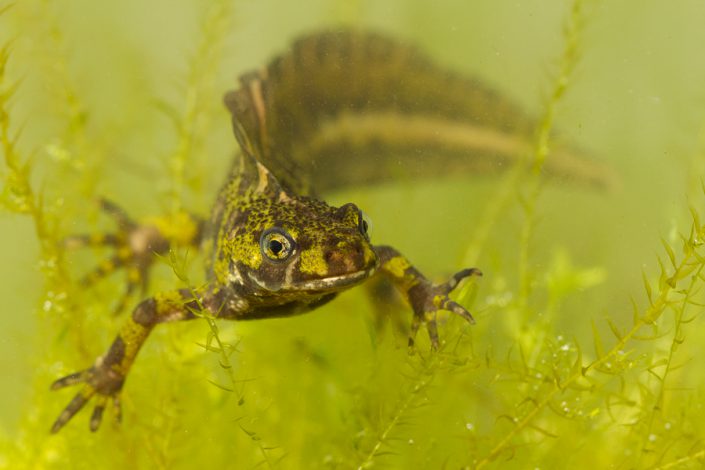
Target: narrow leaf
[(614, 329), (669, 251), (647, 287), (597, 341)]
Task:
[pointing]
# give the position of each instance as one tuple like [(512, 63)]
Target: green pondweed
[(562, 369)]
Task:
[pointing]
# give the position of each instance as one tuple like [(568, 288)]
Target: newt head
[(307, 246), (280, 243)]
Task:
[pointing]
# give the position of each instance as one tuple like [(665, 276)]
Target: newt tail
[(352, 108)]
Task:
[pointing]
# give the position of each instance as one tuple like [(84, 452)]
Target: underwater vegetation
[(588, 346)]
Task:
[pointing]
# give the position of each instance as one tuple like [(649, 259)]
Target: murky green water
[(329, 389)]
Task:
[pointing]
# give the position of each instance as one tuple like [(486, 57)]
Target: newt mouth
[(323, 285), (333, 282)]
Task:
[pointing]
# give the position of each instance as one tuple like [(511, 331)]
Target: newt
[(338, 109)]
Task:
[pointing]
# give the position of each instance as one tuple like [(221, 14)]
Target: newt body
[(306, 124)]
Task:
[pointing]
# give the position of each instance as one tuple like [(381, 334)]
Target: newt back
[(350, 108)]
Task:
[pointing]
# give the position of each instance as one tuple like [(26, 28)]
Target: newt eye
[(276, 244), (364, 225)]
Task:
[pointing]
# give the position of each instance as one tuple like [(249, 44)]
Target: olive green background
[(636, 101)]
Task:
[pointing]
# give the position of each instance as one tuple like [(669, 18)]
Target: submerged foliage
[(563, 369)]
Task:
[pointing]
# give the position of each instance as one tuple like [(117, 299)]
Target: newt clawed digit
[(337, 110)]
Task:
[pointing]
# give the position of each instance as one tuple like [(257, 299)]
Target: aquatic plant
[(587, 347)]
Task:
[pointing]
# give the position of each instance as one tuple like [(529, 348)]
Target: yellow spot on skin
[(132, 335), (397, 266), (313, 262), (180, 229), (97, 239), (221, 269), (369, 255), (247, 251), (124, 252), (168, 301), (133, 275), (351, 216)]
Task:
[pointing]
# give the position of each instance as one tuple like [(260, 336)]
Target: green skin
[(272, 248)]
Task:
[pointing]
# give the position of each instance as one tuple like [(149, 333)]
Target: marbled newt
[(340, 108)]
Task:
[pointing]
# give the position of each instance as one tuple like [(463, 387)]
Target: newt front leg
[(105, 378), (424, 297), (135, 245)]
